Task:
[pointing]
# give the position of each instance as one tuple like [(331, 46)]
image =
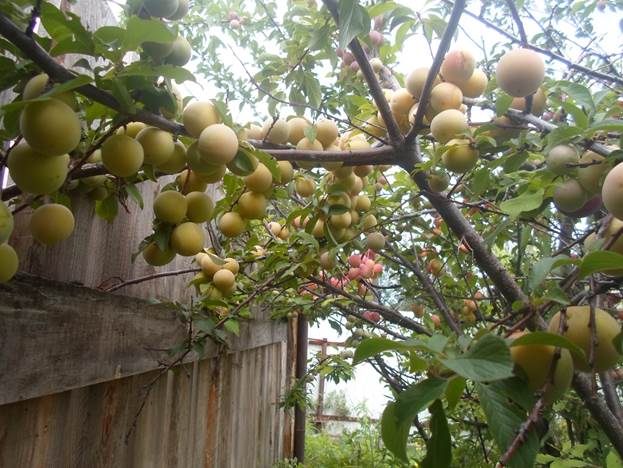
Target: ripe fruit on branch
[(446, 96), (224, 279), (218, 144), (535, 360), (156, 257), (157, 50), (208, 266), (579, 332), (199, 207), (9, 262), (461, 156), (52, 223), (369, 221), (170, 207), (328, 260), (122, 155), (181, 11), (260, 180), (252, 205), (286, 170), (305, 186), (189, 181), (278, 230), (6, 223), (187, 239), (448, 124), (131, 129), (276, 131), (538, 103), (458, 66), (176, 162), (231, 224), (232, 265), (435, 267), (475, 86), (50, 127), (296, 129), (372, 315), (202, 166), (558, 158), (520, 72), (326, 132), (612, 191), (157, 145), (415, 81), (402, 100), (199, 115)]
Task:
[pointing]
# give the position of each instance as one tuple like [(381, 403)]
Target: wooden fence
[(76, 362)]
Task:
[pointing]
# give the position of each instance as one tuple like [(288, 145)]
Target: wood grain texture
[(86, 427), (68, 336)]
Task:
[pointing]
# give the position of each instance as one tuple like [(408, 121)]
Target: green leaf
[(502, 103), (134, 192), (439, 446), (600, 261), (455, 389), (613, 460), (243, 162), (580, 94), (140, 30), (579, 116), (562, 135), (107, 208), (353, 20), (70, 85), (394, 435), (489, 359), (504, 420), (417, 397), (542, 268), (608, 125), (232, 326), (551, 339), (527, 201)]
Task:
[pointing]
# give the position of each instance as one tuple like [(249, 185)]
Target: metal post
[(320, 403)]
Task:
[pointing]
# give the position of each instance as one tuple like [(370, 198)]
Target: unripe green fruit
[(170, 207), (589, 177), (327, 260), (37, 173), (363, 203), (326, 132), (9, 262), (438, 181), (156, 257), (52, 223), (218, 144), (260, 180), (558, 158), (252, 205), (157, 145), (198, 116), (570, 196), (187, 239), (276, 132), (579, 332), (201, 165), (35, 86), (6, 223), (232, 265), (122, 155), (181, 53), (402, 100), (612, 191), (536, 360), (286, 170), (520, 72), (208, 266), (304, 186), (176, 162), (161, 8), (460, 156), (157, 50), (318, 229), (188, 182), (231, 224), (181, 11), (199, 207), (50, 127), (375, 241), (448, 124), (224, 279), (98, 193)]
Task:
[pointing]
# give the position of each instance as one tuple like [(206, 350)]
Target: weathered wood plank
[(57, 336)]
